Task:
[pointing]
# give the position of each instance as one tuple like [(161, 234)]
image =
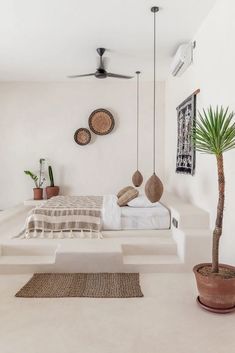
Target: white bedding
[(111, 213), (118, 218), (114, 217)]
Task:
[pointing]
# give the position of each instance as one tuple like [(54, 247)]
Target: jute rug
[(92, 285)]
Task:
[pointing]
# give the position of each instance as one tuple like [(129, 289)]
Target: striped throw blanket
[(65, 214)]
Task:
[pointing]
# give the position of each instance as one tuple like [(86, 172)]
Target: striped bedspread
[(66, 214)]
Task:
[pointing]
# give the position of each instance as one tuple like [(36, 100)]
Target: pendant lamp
[(154, 186), (137, 177)]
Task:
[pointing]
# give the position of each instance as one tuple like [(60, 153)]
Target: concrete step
[(27, 250), (153, 264), (166, 247), (151, 259), (27, 260), (147, 233), (27, 254)]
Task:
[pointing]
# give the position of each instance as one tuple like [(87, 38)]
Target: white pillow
[(141, 201)]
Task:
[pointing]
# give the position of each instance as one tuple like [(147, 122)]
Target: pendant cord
[(154, 95), (137, 121)]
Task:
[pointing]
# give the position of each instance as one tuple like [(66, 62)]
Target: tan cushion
[(128, 196), (122, 191)]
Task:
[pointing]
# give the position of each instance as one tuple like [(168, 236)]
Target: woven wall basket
[(101, 122), (82, 136)]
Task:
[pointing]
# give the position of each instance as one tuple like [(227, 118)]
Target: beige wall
[(39, 120), (213, 72)]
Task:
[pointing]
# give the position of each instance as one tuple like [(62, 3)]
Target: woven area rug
[(92, 285)]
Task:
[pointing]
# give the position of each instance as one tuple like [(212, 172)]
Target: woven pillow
[(128, 196), (124, 190)]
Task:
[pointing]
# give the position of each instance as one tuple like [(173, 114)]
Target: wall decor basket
[(82, 136), (101, 122)]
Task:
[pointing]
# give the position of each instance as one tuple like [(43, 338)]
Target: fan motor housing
[(100, 73)]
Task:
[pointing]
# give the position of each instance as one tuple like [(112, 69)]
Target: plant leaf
[(214, 132)]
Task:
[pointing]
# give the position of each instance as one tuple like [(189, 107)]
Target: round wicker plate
[(101, 122), (82, 136)]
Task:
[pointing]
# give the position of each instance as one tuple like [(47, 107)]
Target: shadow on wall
[(64, 189), (185, 195), (116, 119)]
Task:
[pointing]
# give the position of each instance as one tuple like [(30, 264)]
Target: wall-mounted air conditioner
[(182, 59)]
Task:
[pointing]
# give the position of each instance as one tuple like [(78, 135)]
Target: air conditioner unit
[(182, 59)]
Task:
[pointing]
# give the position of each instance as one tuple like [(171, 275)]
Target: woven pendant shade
[(137, 177), (154, 186)]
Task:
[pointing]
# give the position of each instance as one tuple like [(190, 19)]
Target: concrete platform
[(175, 250)]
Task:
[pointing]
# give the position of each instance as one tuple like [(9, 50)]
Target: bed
[(75, 216)]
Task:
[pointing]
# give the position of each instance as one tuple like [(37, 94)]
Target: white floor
[(166, 320)]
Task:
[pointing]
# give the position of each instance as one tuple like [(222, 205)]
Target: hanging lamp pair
[(154, 186)]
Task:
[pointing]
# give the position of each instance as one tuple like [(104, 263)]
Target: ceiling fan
[(101, 72)]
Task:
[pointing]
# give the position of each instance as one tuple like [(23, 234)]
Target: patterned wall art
[(101, 122), (186, 119), (82, 136)]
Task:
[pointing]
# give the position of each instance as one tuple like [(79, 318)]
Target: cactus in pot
[(51, 190), (50, 172)]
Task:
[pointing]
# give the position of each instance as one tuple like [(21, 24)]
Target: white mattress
[(118, 218), (157, 217)]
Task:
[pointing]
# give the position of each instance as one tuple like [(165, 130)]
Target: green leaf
[(33, 176), (214, 132)]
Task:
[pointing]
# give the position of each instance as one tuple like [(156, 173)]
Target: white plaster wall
[(39, 120), (213, 72)]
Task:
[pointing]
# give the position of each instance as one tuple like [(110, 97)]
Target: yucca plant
[(215, 134)]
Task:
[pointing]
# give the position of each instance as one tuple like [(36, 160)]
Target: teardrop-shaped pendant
[(137, 178), (154, 188)]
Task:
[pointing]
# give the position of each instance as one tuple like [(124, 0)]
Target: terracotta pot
[(52, 191), (216, 294), (37, 193)]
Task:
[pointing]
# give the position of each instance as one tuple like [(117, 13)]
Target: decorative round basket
[(101, 122), (82, 136)]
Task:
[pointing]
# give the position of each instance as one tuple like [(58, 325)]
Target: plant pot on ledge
[(52, 191), (216, 291), (37, 193)]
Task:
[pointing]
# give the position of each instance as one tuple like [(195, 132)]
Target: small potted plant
[(215, 134), (51, 190), (38, 180)]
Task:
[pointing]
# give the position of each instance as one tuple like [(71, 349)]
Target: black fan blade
[(109, 74), (85, 75)]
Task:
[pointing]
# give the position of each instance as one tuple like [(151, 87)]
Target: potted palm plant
[(215, 134), (51, 190), (38, 181)]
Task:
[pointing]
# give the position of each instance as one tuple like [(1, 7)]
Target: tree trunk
[(220, 212)]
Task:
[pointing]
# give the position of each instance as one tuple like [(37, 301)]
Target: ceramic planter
[(37, 193), (216, 294), (52, 191)]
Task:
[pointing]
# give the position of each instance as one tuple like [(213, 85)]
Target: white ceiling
[(46, 40)]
